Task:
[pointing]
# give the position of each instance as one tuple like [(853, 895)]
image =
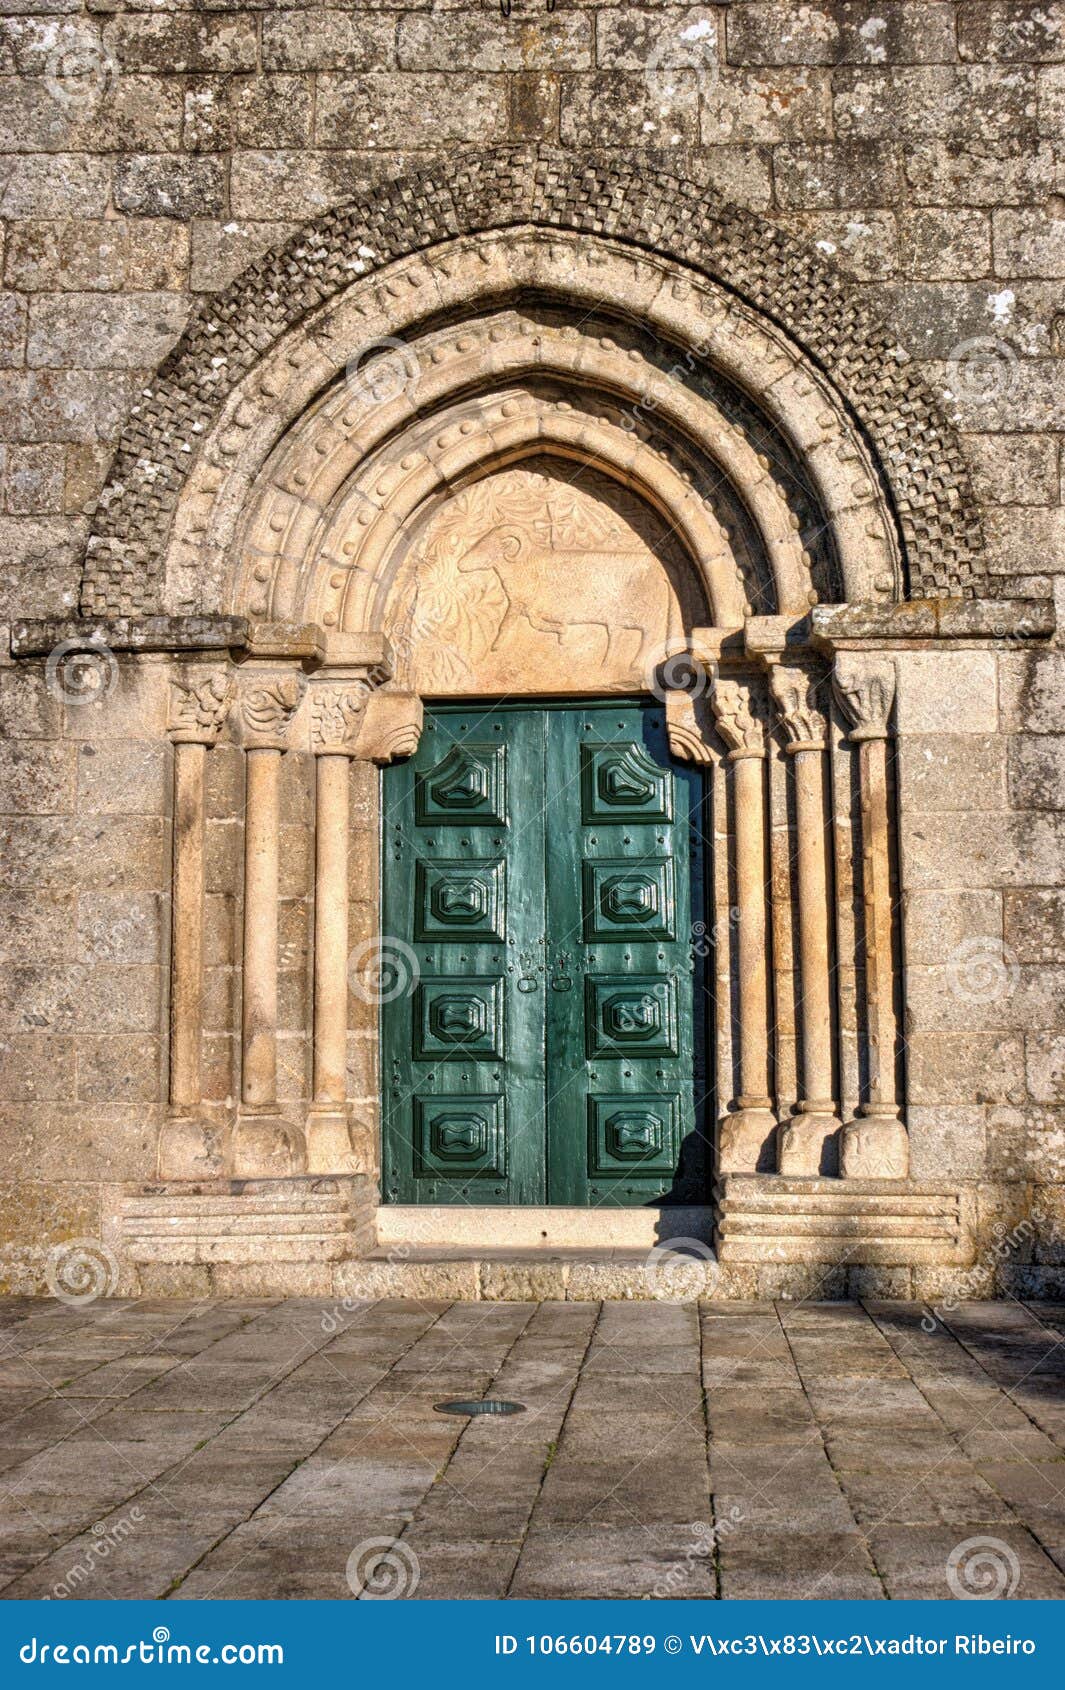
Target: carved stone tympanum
[(533, 579)]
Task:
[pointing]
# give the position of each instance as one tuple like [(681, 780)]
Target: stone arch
[(720, 288)]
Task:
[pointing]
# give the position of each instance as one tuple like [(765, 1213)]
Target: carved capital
[(391, 727), (865, 687), (268, 706), (686, 728), (741, 718), (336, 717), (795, 695), (198, 708)]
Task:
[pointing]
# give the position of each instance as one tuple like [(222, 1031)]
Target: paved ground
[(265, 1449)]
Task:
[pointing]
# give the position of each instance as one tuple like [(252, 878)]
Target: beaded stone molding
[(914, 450)]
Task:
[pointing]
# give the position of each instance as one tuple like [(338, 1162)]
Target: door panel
[(624, 848), (544, 864), (463, 1057)]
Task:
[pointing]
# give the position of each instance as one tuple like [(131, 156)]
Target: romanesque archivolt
[(872, 439)]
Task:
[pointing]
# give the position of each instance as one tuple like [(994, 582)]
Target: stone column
[(806, 1142), (875, 1145), (337, 715), (189, 1146), (264, 1144), (740, 718)]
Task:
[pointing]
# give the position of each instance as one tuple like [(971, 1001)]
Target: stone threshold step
[(480, 1228), (531, 1275)]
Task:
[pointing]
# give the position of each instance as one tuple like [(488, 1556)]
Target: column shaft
[(816, 1018), (259, 1024), (749, 810), (876, 891), (186, 987), (331, 932), (746, 1131), (875, 1144)]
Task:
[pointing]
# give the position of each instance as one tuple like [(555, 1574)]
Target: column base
[(190, 1148), (807, 1144), (337, 1143), (265, 1145), (743, 1138), (874, 1147)]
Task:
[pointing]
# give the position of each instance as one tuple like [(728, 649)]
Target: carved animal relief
[(532, 579)]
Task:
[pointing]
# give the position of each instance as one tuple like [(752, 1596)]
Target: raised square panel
[(633, 1135), (459, 1138), (458, 1017), (621, 783), (459, 900), (628, 900), (631, 1015), (466, 789)]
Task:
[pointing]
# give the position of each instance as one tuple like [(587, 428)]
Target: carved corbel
[(391, 727), (687, 728)]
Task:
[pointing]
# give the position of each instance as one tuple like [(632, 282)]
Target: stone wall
[(917, 145)]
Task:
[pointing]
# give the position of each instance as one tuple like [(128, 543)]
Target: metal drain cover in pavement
[(485, 1405)]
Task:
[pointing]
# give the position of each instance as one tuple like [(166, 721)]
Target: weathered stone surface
[(313, 39), (912, 145), (1037, 772), (417, 109), (927, 682), (952, 771), (162, 185)]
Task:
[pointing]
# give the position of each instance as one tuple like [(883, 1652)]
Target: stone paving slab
[(263, 1448)]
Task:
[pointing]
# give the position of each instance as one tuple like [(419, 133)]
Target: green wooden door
[(545, 866)]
